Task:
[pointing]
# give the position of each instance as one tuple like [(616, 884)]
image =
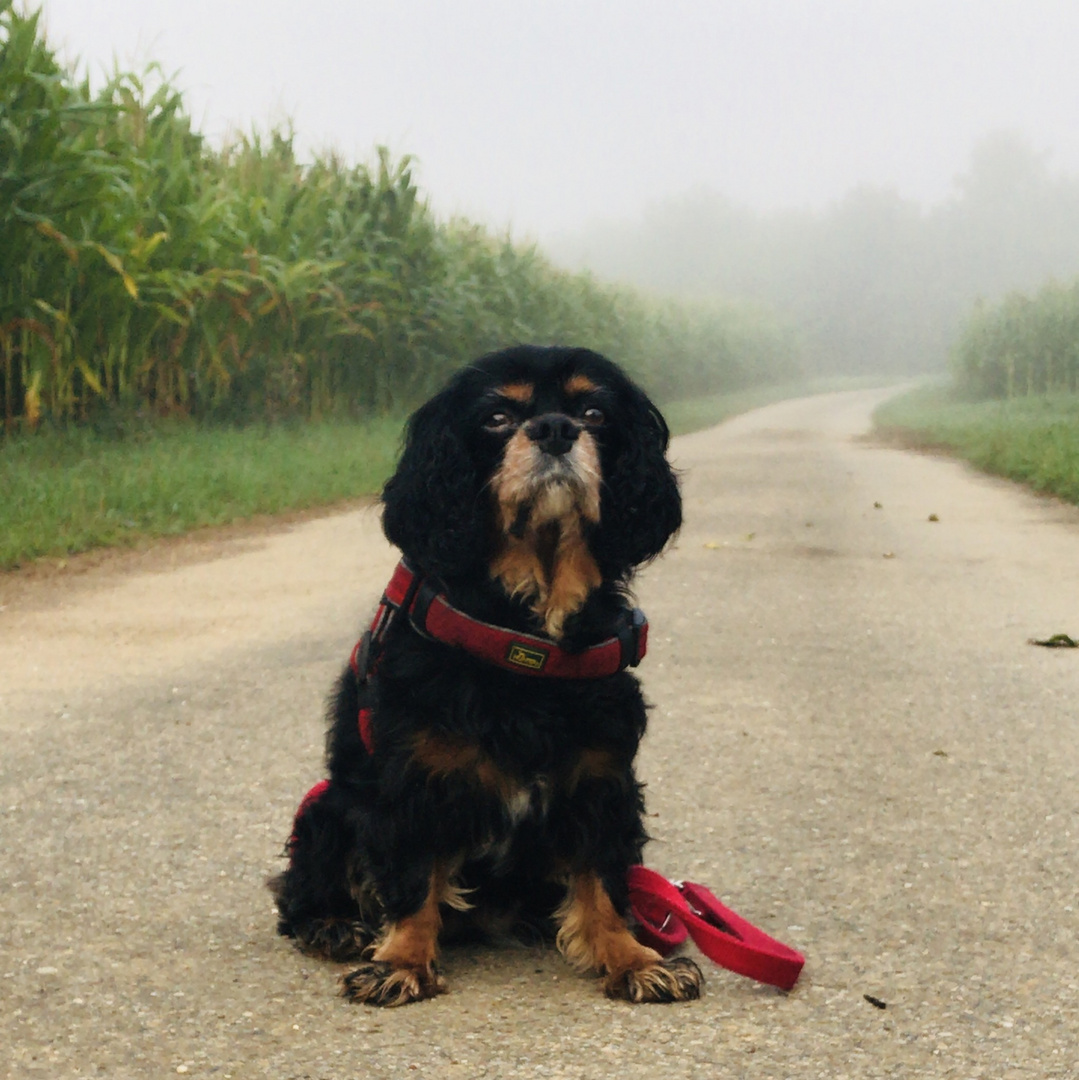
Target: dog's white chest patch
[(526, 802), (529, 802)]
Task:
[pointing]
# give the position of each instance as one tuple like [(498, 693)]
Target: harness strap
[(311, 797), (433, 616)]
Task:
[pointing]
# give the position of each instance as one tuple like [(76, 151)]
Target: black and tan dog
[(482, 742)]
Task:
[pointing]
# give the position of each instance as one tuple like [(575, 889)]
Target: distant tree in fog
[(874, 282)]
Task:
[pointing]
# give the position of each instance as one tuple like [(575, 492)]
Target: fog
[(548, 114), (748, 148), (874, 281)]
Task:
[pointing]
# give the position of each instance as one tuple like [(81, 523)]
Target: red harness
[(433, 616)]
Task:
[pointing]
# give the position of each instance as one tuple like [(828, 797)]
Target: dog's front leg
[(402, 966), (593, 936)]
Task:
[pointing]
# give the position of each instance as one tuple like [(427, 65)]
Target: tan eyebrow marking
[(520, 391), (579, 384)]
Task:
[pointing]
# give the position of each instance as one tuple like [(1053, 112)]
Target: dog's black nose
[(553, 433)]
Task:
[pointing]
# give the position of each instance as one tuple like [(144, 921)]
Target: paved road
[(852, 743)]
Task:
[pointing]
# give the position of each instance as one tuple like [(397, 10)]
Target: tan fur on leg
[(402, 967), (593, 936)]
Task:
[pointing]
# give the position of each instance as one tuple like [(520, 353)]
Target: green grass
[(70, 491), (1034, 440)]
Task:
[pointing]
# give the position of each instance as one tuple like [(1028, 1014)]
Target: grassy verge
[(66, 492), (1034, 440)]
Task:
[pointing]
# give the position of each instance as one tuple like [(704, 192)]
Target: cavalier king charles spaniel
[(482, 739)]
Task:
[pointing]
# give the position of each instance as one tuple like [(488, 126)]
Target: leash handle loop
[(667, 912)]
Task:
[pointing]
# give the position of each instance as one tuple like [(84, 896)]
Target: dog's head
[(534, 466)]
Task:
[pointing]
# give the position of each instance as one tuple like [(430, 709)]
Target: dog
[(482, 740)]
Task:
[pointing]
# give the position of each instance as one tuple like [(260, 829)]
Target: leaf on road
[(1057, 641)]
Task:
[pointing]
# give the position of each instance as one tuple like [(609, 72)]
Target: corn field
[(141, 270), (1024, 345)]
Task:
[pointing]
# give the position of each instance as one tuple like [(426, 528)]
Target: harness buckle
[(418, 603), (360, 662), (630, 638)]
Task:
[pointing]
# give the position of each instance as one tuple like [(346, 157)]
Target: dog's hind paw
[(333, 939), (678, 979), (383, 984)]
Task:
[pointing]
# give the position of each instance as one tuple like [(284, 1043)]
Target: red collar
[(433, 616)]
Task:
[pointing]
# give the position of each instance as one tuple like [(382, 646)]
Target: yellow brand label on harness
[(527, 657)]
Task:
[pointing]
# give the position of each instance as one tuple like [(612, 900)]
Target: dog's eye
[(593, 417), (498, 421)]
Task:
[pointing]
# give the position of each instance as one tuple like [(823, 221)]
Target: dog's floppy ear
[(641, 507), (431, 503)]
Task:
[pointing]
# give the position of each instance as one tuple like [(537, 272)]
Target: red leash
[(667, 911)]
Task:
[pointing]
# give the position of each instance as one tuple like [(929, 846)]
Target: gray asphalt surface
[(852, 743)]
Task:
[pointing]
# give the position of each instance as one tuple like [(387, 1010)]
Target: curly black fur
[(544, 788)]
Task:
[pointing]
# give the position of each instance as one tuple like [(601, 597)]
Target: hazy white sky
[(545, 113)]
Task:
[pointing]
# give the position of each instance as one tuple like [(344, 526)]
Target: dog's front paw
[(383, 984), (678, 979)]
